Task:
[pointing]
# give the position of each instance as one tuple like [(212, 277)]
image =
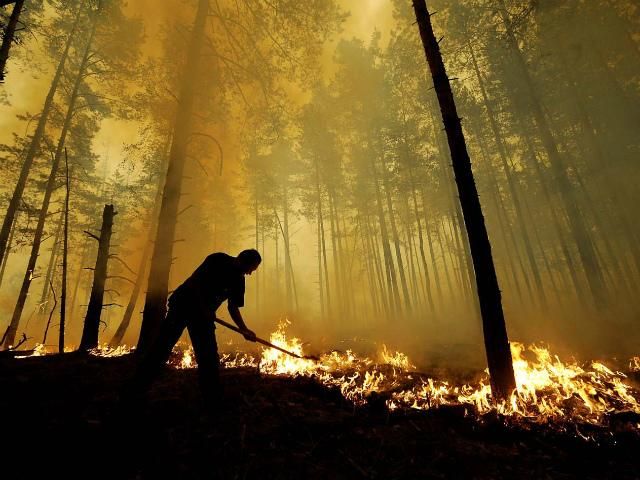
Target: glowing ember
[(634, 364)]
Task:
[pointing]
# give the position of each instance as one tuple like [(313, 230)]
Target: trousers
[(202, 333)]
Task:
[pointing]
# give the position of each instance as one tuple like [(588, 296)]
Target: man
[(193, 305)]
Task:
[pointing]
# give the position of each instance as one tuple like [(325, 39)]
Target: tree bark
[(158, 285), (495, 332), (94, 310)]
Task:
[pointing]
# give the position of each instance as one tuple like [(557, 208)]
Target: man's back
[(217, 279)]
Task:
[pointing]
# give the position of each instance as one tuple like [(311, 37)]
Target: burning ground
[(342, 417)]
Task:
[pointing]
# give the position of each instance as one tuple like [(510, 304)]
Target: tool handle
[(259, 340)]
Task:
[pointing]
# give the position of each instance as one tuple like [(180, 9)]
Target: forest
[(441, 193)]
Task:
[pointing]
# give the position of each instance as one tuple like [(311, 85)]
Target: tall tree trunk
[(37, 236), (34, 145), (65, 251), (577, 226), (9, 35), (158, 286), (495, 332), (94, 310)]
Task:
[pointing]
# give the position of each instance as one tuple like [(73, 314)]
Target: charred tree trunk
[(94, 310), (9, 35), (34, 145), (65, 251), (158, 286), (495, 332)]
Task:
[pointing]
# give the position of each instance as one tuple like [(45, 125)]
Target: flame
[(187, 360), (396, 359), (548, 390)]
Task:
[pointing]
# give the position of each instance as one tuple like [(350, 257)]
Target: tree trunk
[(94, 310), (9, 35), (158, 286), (495, 332), (65, 251), (34, 145)]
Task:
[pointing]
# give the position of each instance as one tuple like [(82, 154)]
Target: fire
[(548, 389), (396, 359), (107, 351), (187, 360)]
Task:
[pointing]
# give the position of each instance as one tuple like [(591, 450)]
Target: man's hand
[(249, 335)]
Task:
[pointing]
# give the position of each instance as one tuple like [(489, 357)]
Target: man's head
[(249, 260)]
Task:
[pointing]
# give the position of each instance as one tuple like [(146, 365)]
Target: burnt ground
[(61, 419)]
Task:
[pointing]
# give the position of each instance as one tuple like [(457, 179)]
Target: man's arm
[(234, 312)]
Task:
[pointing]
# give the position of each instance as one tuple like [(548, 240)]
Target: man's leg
[(203, 339), (160, 350)]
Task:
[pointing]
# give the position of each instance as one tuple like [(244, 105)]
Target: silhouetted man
[(193, 305)]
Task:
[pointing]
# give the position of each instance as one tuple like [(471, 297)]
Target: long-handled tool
[(267, 344)]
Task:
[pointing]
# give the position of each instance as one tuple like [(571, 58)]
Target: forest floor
[(61, 418)]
